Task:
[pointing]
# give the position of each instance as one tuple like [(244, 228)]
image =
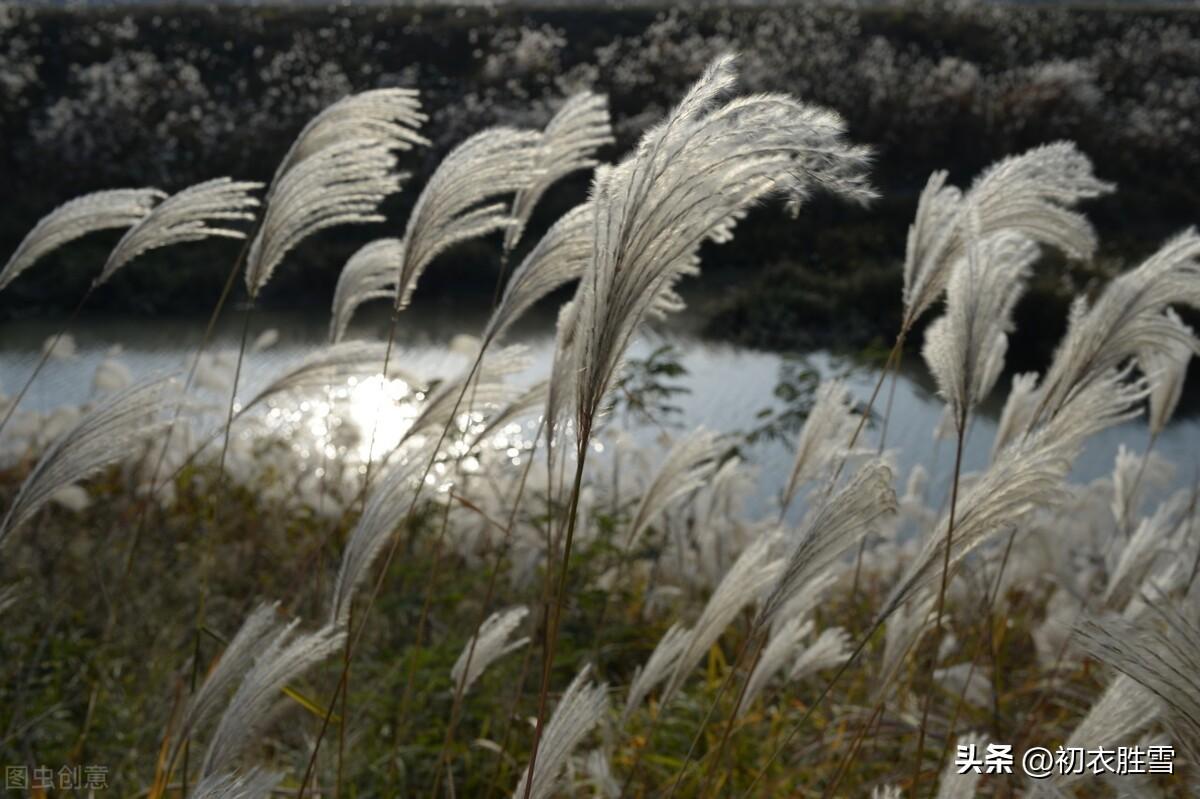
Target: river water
[(727, 386)]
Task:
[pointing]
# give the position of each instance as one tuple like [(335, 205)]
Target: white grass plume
[(569, 144), (831, 648), (690, 462), (831, 529), (561, 256), (284, 658), (487, 387), (342, 183), (331, 365), (458, 201), (965, 347), (956, 785), (581, 708), (782, 646), (1126, 321), (101, 210), (1025, 475), (1163, 657), (828, 427), (234, 662), (1168, 367), (1031, 193), (752, 573), (391, 116), (1152, 538), (658, 667), (252, 784), (1122, 713), (490, 644), (370, 274), (386, 508), (105, 435), (1019, 408), (690, 175), (198, 212)]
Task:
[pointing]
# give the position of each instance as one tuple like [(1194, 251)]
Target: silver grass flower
[(234, 662), (1126, 321), (1019, 409), (831, 529), (252, 784), (106, 434), (528, 401), (904, 628), (780, 648), (752, 573), (561, 256), (386, 508), (370, 274), (685, 468), (1163, 658), (1152, 538), (331, 365), (887, 792), (391, 116), (1030, 194), (658, 667), (973, 683), (965, 347), (954, 784), (581, 708), (487, 387), (832, 648), (806, 599), (1168, 368), (101, 210), (278, 661), (196, 213), (828, 427), (1132, 474), (458, 201), (1027, 474), (687, 178), (489, 645), (569, 144), (340, 184), (1122, 712)]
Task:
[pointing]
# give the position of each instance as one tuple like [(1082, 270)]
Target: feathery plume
[(1019, 408), (101, 210), (1165, 660), (370, 274), (1127, 321), (832, 648), (1030, 194), (686, 467), (832, 528), (686, 181), (569, 144), (1122, 712), (490, 644), (342, 183), (1152, 537), (391, 116), (965, 347), (581, 708), (784, 642), (457, 202), (561, 256), (281, 660), (658, 667), (752, 573), (185, 216), (253, 784), (386, 507), (823, 437), (1167, 367), (103, 436)]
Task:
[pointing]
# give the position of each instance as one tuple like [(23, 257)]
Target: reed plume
[(827, 428), (658, 667), (101, 210), (582, 706), (105, 435), (569, 143), (1168, 365), (341, 183), (370, 274), (252, 784), (690, 462), (487, 646)]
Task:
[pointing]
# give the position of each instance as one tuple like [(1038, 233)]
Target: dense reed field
[(348, 579)]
